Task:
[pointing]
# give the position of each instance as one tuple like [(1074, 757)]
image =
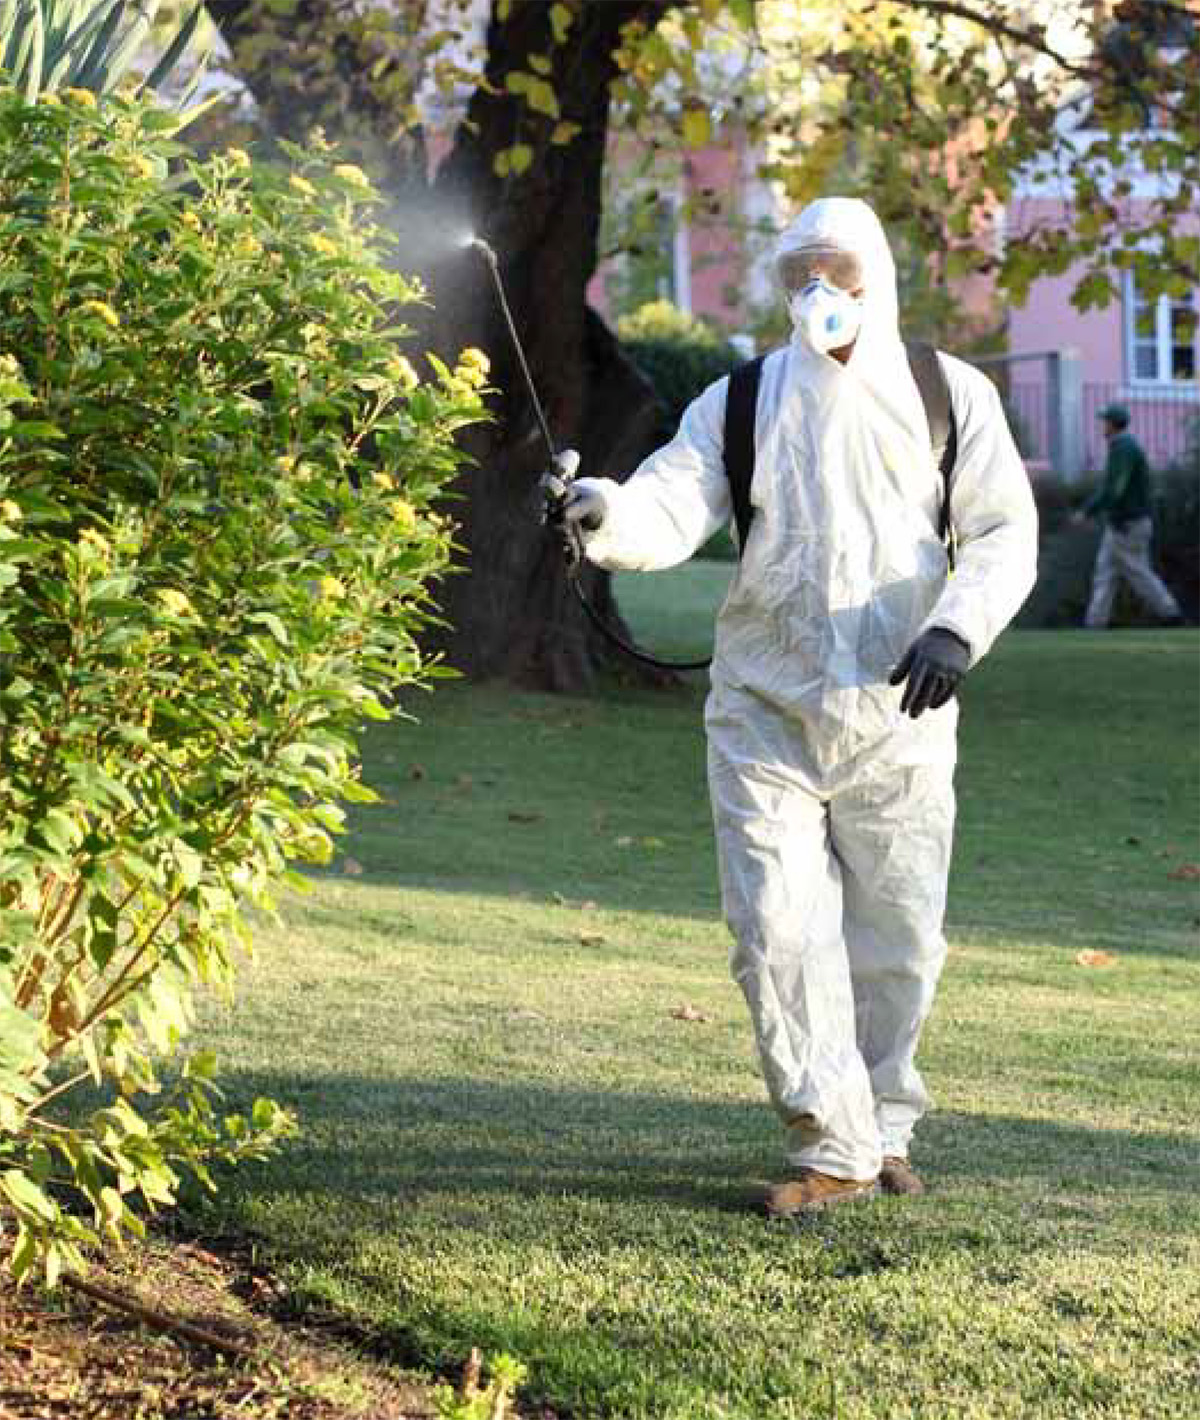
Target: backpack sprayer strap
[(742, 404)]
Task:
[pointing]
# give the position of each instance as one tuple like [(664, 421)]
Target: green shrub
[(678, 353), (681, 356), (204, 588), (1177, 530)]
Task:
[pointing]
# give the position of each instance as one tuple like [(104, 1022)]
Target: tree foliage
[(216, 538), (941, 114)]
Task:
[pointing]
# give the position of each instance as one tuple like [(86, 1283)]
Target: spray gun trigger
[(556, 484)]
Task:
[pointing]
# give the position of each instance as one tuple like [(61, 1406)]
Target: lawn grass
[(511, 1142)]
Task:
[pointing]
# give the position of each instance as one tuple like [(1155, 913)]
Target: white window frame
[(1157, 383)]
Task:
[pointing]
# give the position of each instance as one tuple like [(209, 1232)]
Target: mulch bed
[(68, 1355)]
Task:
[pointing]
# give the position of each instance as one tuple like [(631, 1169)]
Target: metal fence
[(1027, 408), (1054, 413)]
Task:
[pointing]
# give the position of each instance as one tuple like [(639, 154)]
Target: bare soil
[(64, 1354)]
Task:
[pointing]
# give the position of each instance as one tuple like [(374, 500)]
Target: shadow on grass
[(649, 1202), (412, 1138)]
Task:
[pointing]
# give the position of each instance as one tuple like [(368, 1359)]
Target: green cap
[(1116, 414)]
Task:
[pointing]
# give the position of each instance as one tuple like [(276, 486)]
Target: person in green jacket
[(1124, 501)]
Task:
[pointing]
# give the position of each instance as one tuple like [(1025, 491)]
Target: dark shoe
[(896, 1176), (811, 1191)]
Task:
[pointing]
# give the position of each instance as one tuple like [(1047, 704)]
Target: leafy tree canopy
[(934, 109)]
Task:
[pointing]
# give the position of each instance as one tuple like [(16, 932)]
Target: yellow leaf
[(520, 158), (653, 58), (564, 132), (560, 22), (697, 128), (503, 10), (540, 64), (502, 163), (1095, 958), (540, 96)]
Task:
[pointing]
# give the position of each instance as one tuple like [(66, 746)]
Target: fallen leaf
[(653, 843), (517, 816), (588, 906), (352, 868), (688, 1012), (1095, 958), (592, 939), (464, 781), (1187, 872), (624, 841)]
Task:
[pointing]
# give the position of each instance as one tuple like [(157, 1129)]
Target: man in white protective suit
[(831, 720)]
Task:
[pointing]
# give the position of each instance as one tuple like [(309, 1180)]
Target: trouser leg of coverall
[(892, 835), (1126, 553), (782, 890)]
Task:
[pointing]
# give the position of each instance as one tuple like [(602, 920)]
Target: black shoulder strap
[(740, 408), (742, 405), (931, 383)]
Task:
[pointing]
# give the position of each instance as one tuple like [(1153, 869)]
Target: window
[(1161, 337)]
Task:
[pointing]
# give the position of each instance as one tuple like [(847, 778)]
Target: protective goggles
[(840, 268)]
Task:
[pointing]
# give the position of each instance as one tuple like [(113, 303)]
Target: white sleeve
[(676, 499), (993, 514)]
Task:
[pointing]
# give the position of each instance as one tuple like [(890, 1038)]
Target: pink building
[(1138, 352), (710, 238)]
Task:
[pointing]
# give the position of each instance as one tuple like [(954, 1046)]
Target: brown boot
[(811, 1191), (897, 1176)]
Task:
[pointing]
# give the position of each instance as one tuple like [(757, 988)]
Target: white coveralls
[(834, 813)]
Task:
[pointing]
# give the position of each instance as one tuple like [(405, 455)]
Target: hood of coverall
[(877, 376), (848, 224)]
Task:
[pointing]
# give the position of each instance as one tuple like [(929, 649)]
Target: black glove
[(933, 666)]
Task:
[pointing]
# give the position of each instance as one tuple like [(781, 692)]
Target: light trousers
[(835, 901), (1125, 553)]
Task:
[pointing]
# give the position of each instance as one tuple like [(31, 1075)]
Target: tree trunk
[(508, 606)]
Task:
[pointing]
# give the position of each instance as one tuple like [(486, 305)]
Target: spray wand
[(556, 483)]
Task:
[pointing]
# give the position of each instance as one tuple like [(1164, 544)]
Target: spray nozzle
[(478, 244)]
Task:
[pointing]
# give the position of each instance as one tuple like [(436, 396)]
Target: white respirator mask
[(825, 317)]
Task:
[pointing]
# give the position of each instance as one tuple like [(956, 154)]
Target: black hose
[(619, 641), (572, 567)]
